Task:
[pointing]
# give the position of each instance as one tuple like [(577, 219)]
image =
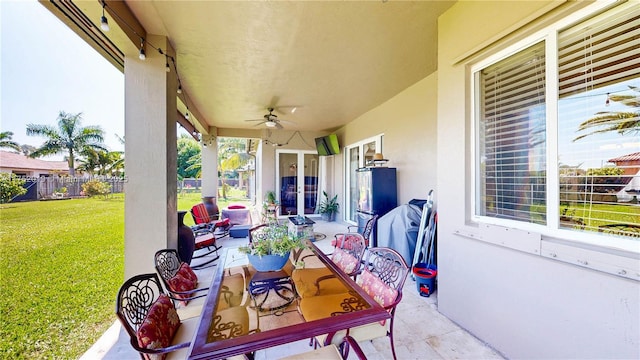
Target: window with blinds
[(597, 127), (598, 122), (512, 137)]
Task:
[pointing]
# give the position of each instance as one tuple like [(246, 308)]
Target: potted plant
[(270, 198), (270, 247), (269, 207), (328, 207)]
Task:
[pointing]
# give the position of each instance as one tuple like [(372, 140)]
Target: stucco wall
[(408, 122), (523, 304)]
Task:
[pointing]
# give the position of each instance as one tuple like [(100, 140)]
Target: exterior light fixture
[(142, 55), (104, 24)]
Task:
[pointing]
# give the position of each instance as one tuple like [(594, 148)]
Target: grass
[(62, 265)]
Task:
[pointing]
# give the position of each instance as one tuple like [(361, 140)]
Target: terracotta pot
[(186, 239), (212, 207)]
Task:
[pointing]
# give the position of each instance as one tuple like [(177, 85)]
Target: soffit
[(334, 60)]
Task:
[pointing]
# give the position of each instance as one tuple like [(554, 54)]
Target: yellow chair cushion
[(321, 307), (304, 280), (322, 353), (229, 323), (232, 292)]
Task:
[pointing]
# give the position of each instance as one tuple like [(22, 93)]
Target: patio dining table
[(215, 339)]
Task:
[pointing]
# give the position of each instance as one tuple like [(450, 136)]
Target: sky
[(46, 68)]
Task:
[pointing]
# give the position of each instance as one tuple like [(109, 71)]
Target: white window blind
[(511, 138), (598, 122)]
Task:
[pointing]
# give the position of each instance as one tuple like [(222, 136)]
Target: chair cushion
[(159, 326), (180, 283), (345, 261), (205, 240), (382, 293), (337, 242), (304, 280), (200, 214), (236, 206), (321, 307), (187, 272)]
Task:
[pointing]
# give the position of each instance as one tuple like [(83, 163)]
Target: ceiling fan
[(271, 120)]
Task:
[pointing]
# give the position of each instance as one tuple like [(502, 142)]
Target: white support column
[(150, 152), (210, 166)]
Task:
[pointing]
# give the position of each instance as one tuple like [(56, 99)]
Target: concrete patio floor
[(420, 331)]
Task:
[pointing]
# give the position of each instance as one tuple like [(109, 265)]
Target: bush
[(10, 187), (96, 187)]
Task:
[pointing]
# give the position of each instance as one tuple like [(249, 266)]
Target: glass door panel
[(354, 163), (297, 175), (310, 192)]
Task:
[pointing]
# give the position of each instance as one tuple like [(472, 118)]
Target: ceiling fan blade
[(287, 109), (260, 123), (288, 122), (255, 120), (278, 126)]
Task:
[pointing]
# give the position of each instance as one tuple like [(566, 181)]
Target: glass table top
[(247, 310)]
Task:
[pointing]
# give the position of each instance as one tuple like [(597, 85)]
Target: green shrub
[(96, 187), (10, 187)]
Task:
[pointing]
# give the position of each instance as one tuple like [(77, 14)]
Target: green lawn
[(62, 265)]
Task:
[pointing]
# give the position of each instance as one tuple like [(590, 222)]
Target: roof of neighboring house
[(13, 160), (628, 157)]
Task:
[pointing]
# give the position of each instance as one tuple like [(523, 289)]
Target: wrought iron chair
[(143, 308), (367, 230), (168, 265), (332, 352), (347, 255), (382, 278)]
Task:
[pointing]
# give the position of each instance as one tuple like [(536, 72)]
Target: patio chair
[(367, 230), (321, 281), (206, 231), (331, 352), (182, 283), (382, 278), (150, 318), (154, 327), (204, 223)]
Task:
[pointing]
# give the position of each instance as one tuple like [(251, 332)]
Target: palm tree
[(622, 122), (6, 142), (231, 157), (101, 162), (27, 149), (69, 137)]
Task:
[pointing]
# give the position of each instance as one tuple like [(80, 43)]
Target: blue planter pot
[(268, 262)]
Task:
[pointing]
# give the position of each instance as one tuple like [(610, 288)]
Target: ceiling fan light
[(270, 124)]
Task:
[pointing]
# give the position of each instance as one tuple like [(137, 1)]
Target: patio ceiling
[(333, 60)]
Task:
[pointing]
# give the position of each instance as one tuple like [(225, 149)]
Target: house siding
[(521, 303)]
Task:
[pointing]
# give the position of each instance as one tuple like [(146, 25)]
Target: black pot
[(186, 239), (211, 206)]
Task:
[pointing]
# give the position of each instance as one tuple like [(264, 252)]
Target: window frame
[(549, 34), (378, 140)]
